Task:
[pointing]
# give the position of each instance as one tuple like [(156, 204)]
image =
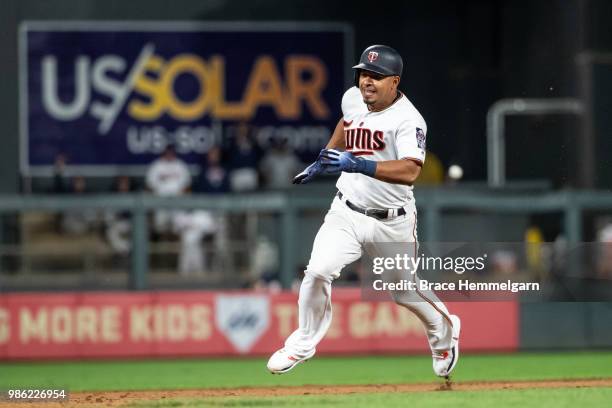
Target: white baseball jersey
[(395, 133), (168, 178)]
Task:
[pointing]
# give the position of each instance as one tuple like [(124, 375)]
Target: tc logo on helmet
[(372, 56)]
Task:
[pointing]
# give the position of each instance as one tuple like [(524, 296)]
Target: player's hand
[(342, 160), (315, 169), (346, 161), (308, 173)]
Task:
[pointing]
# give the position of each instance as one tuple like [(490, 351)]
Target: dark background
[(459, 58)]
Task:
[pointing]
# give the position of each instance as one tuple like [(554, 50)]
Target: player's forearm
[(398, 171), (337, 139)]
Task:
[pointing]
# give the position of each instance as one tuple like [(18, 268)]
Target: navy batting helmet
[(381, 59)]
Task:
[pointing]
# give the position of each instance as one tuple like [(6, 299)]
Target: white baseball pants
[(340, 241)]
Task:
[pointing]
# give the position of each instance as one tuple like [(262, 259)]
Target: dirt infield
[(119, 398)]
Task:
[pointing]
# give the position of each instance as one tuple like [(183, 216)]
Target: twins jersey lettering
[(397, 132)]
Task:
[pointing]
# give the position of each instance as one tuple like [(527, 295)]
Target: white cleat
[(445, 361), (283, 361)]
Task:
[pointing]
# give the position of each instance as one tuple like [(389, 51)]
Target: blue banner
[(110, 96)]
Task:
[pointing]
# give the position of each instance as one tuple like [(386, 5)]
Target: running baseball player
[(378, 148)]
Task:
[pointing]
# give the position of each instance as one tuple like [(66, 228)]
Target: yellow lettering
[(299, 67), (194, 65), (306, 78), (151, 88), (264, 88), (224, 109)]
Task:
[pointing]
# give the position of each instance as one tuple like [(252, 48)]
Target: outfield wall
[(565, 325), (198, 323)]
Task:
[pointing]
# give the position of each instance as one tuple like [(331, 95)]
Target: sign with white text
[(110, 96), (207, 323)]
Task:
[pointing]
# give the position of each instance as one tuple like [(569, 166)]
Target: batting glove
[(315, 169), (308, 173), (346, 161)]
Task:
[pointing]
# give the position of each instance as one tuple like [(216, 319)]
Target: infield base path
[(119, 398)]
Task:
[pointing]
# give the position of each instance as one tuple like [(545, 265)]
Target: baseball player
[(378, 147)]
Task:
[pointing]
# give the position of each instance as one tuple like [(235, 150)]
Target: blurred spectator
[(167, 176), (265, 262), (213, 176), (534, 252), (560, 256), (504, 262), (192, 226), (279, 165), (78, 221), (118, 224), (604, 259), (244, 156), (213, 179), (60, 182)]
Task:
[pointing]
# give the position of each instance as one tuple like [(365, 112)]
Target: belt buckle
[(373, 212)]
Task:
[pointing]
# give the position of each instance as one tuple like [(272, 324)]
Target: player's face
[(378, 91)]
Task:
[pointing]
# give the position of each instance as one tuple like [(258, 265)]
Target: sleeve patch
[(420, 136)]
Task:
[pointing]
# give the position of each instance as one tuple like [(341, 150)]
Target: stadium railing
[(431, 203)]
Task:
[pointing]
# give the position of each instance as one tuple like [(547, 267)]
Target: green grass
[(542, 398), (228, 373), (553, 398)]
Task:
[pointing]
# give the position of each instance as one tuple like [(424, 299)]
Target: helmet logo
[(372, 56)]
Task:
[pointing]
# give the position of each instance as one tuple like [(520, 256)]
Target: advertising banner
[(88, 325), (109, 96)]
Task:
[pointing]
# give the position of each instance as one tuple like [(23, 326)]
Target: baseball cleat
[(283, 361), (445, 361)]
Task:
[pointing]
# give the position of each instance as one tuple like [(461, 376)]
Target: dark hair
[(170, 147)]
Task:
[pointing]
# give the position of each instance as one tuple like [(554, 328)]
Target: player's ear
[(396, 81)]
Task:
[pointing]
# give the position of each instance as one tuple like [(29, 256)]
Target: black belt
[(378, 213)]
